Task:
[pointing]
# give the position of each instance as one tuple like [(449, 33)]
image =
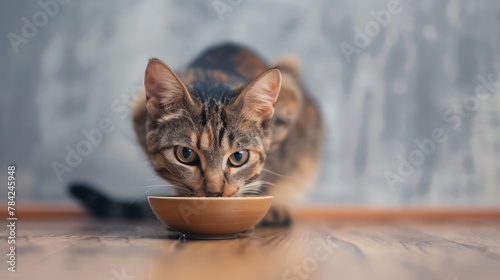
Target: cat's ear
[(260, 95), (165, 91), (287, 108)]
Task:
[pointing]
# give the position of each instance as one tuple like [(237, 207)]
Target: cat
[(230, 125)]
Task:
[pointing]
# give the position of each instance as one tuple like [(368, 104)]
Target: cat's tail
[(99, 205), (291, 64)]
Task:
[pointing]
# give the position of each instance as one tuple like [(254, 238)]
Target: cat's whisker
[(276, 174), (268, 185), (250, 189), (250, 192), (150, 186), (183, 191), (148, 190), (254, 188), (259, 183), (154, 179)]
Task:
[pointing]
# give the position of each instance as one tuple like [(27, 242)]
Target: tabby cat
[(229, 125)]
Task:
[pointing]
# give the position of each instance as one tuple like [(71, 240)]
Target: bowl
[(210, 217)]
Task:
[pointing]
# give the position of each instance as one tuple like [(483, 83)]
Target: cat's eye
[(186, 155), (238, 159)]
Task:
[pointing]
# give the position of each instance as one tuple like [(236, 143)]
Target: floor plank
[(89, 249)]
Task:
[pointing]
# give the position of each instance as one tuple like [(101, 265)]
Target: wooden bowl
[(210, 217)]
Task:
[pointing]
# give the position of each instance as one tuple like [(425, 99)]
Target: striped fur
[(215, 119)]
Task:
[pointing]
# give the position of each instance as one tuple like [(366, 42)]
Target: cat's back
[(226, 65), (232, 59)]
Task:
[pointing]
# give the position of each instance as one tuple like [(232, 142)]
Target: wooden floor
[(81, 248)]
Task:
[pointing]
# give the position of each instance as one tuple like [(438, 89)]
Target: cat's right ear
[(165, 92)]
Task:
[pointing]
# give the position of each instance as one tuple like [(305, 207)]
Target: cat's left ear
[(165, 92), (260, 95)]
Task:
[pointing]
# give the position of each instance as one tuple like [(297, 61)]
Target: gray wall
[(417, 77)]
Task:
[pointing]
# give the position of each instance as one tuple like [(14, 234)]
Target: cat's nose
[(213, 194)]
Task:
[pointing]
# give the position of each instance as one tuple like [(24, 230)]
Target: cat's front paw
[(277, 216)]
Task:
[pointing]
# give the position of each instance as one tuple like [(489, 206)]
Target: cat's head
[(207, 145)]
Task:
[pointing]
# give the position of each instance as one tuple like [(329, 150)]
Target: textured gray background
[(394, 91)]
